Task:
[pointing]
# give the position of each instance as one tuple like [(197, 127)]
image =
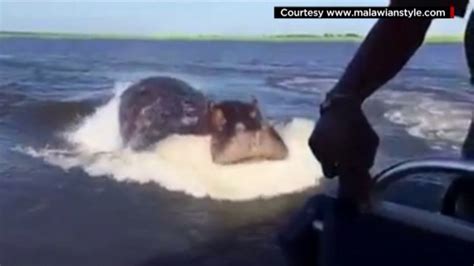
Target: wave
[(10, 97), (253, 68), (9, 100), (304, 84), (6, 56), (48, 63), (433, 72), (46, 115), (215, 68), (442, 122), (182, 163)]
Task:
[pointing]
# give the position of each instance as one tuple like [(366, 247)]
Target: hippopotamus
[(157, 107)]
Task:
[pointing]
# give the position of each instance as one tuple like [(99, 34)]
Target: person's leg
[(468, 146)]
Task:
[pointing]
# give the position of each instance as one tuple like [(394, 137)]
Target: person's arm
[(343, 140), (387, 48)]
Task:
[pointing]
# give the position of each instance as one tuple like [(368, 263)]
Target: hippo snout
[(262, 144)]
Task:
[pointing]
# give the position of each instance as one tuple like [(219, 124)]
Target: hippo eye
[(240, 127), (253, 114)]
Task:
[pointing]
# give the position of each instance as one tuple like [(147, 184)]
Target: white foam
[(183, 163), (429, 118), (100, 131)]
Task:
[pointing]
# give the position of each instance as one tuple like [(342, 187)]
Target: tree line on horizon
[(290, 35), (325, 35)]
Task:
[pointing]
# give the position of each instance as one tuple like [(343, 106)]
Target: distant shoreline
[(327, 37)]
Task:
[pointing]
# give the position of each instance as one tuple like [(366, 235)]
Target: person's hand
[(343, 138), (345, 144)]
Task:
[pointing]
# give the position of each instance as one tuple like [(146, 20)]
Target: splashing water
[(183, 163)]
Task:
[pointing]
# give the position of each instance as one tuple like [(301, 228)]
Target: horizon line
[(349, 36)]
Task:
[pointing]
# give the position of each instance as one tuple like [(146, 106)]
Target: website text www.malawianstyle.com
[(363, 12)]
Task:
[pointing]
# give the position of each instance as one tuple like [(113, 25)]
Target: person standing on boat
[(343, 140)]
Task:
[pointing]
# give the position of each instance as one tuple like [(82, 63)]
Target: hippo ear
[(254, 112), (254, 101), (217, 118), (210, 105)]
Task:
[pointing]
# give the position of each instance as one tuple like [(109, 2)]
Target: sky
[(157, 17)]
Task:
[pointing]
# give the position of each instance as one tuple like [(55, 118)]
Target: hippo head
[(238, 134)]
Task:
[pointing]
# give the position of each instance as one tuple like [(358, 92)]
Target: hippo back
[(157, 107)]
